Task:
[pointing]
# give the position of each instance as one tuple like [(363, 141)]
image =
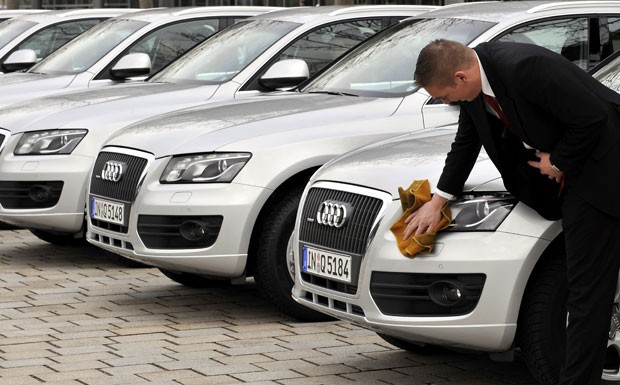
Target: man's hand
[(544, 166), (426, 218)]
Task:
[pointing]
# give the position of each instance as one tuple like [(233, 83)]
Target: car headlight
[(52, 142), (480, 212), (205, 168)]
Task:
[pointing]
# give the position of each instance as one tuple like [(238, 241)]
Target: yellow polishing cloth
[(411, 199)]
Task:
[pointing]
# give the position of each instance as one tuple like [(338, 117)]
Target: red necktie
[(493, 104)]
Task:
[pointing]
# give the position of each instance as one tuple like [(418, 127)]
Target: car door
[(321, 46), (167, 43), (48, 39)]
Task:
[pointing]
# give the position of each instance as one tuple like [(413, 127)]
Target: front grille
[(109, 226), (412, 294), (30, 195), (351, 238), (123, 190), (178, 232), (331, 303)]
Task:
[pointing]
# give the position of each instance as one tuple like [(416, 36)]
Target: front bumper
[(44, 192), (237, 207), (504, 259)]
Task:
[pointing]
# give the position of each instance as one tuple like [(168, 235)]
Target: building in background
[(63, 4)]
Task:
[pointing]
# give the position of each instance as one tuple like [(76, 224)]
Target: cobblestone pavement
[(79, 316)]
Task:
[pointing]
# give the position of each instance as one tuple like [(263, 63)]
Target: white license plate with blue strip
[(326, 264), (107, 211)]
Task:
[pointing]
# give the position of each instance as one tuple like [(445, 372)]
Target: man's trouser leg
[(593, 258)]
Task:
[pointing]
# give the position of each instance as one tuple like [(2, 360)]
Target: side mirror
[(285, 74), (130, 66), (20, 60)]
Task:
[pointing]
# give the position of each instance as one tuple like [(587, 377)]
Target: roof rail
[(220, 8), (395, 7), (468, 4), (571, 4)]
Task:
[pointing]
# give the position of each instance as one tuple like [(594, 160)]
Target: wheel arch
[(301, 177), (555, 248)]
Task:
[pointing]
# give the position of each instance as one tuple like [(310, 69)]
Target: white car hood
[(209, 127), (20, 86), (93, 105), (398, 161)]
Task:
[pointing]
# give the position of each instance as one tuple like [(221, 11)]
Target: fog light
[(39, 193), (446, 293), (193, 230)]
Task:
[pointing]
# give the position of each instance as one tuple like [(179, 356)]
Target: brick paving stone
[(319, 380), (171, 375), (125, 379), (226, 369), (297, 353), (22, 380), (68, 375), (387, 376), (322, 370), (297, 365), (213, 380), (270, 375), (246, 359), (9, 373)]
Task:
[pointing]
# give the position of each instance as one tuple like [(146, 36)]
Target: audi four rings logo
[(332, 214), (113, 171)]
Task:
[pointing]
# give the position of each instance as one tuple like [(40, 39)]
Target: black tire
[(271, 272), (194, 280), (541, 329), (412, 347), (60, 239)]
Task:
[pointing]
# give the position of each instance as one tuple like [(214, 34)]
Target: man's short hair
[(438, 62)]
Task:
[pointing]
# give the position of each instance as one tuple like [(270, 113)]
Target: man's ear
[(460, 76)]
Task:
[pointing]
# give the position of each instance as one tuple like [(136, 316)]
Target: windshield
[(10, 29), (81, 53), (224, 55), (384, 67), (609, 75)]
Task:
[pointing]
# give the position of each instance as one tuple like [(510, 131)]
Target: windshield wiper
[(333, 93)]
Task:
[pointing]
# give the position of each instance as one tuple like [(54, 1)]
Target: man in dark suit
[(553, 132)]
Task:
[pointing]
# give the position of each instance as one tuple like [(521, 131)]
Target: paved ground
[(78, 316)]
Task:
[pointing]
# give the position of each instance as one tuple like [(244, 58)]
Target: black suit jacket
[(553, 106)]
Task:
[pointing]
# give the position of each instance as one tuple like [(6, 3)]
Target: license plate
[(107, 211), (326, 264)]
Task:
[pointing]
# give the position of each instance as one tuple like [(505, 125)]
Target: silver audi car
[(211, 192), (494, 282)]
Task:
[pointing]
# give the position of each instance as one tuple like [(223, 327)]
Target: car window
[(220, 58), (168, 43), (614, 33), (10, 29), (81, 53), (384, 66), (609, 75), (568, 37), (48, 40), (322, 46)]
